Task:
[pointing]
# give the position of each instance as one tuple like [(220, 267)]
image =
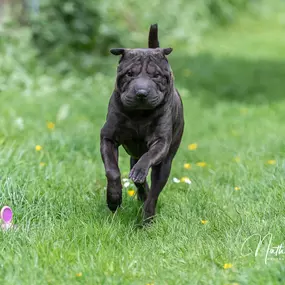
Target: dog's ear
[(117, 51), (167, 51), (153, 37)]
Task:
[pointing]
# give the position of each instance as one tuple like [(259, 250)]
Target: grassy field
[(53, 178)]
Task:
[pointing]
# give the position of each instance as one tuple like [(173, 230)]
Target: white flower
[(176, 180), (187, 180), (127, 184), (19, 122), (63, 112)]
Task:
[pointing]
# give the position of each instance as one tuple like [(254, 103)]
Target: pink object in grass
[(6, 214)]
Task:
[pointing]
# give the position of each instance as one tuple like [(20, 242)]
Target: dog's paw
[(138, 173), (149, 210), (114, 202), (114, 195)]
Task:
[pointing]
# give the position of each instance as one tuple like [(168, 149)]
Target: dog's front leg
[(156, 153), (109, 153)]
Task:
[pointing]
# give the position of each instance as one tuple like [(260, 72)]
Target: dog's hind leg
[(159, 177), (142, 188)]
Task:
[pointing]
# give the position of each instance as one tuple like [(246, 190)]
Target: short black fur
[(145, 116)]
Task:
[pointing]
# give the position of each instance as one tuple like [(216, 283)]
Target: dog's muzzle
[(142, 94)]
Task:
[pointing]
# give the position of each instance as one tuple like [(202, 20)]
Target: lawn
[(52, 176)]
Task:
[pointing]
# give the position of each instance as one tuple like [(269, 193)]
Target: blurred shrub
[(225, 11), (70, 29), (76, 29), (66, 23), (182, 23)]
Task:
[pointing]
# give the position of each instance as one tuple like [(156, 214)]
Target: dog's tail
[(153, 37)]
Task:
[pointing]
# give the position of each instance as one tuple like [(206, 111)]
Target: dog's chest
[(133, 137), (135, 148)]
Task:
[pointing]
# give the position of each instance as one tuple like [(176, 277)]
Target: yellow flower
[(271, 161), (79, 274), (204, 222), (187, 72), (42, 164), (38, 148), (237, 159), (150, 283), (185, 180), (187, 165), (237, 188), (131, 192), (243, 111), (228, 265), (50, 125), (192, 146), (201, 164)]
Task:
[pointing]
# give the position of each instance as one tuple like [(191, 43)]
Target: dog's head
[(144, 77)]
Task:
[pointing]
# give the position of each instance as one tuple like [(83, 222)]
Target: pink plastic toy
[(6, 216)]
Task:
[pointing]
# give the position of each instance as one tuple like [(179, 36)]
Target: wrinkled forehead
[(146, 57)]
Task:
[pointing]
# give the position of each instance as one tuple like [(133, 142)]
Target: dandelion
[(228, 265), (204, 222), (192, 146), (176, 180), (187, 165), (38, 148), (131, 192), (42, 164), (271, 162), (237, 159), (237, 188), (79, 274), (201, 164), (50, 125), (186, 180)]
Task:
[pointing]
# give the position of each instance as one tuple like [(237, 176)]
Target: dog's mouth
[(142, 103)]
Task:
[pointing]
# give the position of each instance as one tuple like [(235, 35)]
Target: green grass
[(233, 94)]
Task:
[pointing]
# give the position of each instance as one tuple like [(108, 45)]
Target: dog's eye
[(130, 73), (156, 75)]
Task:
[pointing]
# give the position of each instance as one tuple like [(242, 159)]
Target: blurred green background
[(64, 31), (56, 78)]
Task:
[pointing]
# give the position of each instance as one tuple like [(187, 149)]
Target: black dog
[(145, 116)]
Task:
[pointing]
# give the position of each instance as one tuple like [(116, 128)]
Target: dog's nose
[(141, 93)]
